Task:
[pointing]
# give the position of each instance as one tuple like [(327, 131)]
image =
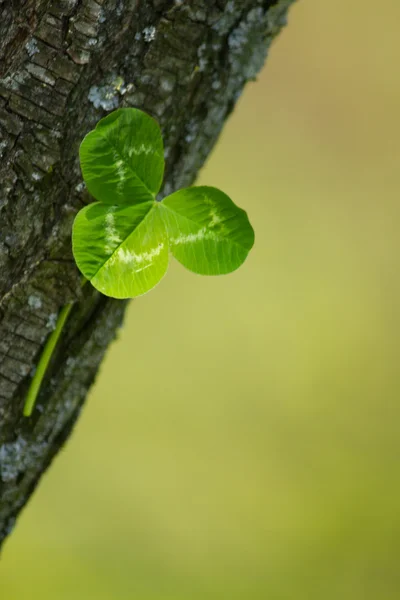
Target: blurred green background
[(242, 440)]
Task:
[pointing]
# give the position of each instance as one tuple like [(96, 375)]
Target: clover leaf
[(207, 232), (121, 244), (121, 250), (122, 160)]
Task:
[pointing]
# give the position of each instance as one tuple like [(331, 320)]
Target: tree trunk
[(64, 64)]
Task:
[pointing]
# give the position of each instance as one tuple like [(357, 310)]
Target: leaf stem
[(45, 359), (46, 355)]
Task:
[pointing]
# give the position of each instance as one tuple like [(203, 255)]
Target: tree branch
[(64, 64)]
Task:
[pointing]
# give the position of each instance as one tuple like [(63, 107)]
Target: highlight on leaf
[(122, 243)]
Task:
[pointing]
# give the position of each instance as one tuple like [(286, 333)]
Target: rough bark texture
[(63, 65)]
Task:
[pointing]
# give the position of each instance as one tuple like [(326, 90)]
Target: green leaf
[(121, 243), (121, 250), (122, 160), (207, 232)]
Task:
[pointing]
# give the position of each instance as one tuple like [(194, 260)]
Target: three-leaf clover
[(122, 242)]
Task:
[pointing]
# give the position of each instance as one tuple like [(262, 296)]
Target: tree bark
[(63, 65)]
